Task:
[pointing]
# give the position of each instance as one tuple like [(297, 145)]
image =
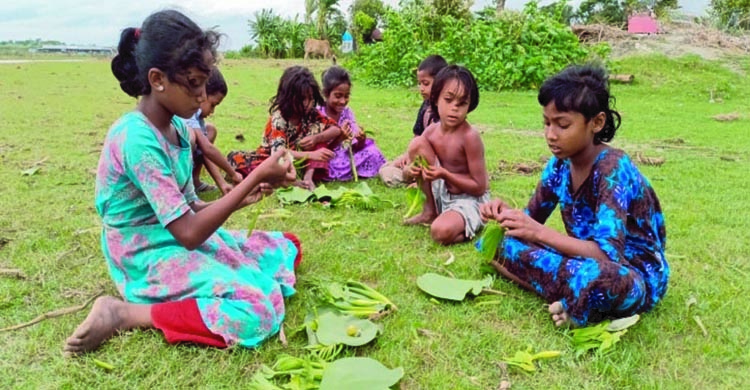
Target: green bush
[(513, 51)]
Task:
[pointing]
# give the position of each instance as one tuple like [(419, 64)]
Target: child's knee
[(445, 233), (418, 145)]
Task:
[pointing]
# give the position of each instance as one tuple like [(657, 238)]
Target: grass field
[(54, 117)]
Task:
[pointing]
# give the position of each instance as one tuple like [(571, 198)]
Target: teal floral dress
[(143, 184), (617, 208)]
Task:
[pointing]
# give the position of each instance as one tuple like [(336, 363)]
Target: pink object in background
[(642, 24)]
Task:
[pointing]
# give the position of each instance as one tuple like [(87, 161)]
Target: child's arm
[(215, 173), (475, 182), (213, 155), (520, 225), (332, 136), (193, 228)]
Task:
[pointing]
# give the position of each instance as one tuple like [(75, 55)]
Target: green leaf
[(294, 194), (334, 328), (415, 198), (359, 373), (450, 288), (491, 237), (324, 194), (622, 323)]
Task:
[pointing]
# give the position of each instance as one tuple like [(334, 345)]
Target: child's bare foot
[(424, 218), (104, 320), (559, 316)]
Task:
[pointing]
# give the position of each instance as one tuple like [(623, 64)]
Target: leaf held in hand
[(491, 237), (450, 288)]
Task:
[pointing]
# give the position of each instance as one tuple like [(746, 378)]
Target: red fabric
[(181, 322), (291, 237)]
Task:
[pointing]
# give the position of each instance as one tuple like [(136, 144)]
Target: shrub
[(517, 50)]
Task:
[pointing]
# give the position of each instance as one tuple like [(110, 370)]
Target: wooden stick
[(13, 273), (53, 314)]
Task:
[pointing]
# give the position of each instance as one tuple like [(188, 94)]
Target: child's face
[(424, 80), (208, 106), (186, 94), (569, 133), (453, 104), (338, 99)]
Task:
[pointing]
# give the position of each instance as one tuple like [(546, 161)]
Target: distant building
[(98, 50)]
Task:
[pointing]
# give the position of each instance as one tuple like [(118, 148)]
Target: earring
[(160, 88)]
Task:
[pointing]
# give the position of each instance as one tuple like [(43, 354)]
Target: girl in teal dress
[(176, 268)]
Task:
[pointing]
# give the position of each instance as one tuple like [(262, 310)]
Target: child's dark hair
[(432, 64), (465, 80), (216, 83), (584, 89), (296, 84), (168, 41), (333, 77)]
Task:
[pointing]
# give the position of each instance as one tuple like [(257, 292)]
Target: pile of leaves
[(360, 197), (601, 337), (344, 319), (309, 374)]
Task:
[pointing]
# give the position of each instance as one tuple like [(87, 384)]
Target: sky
[(99, 22)]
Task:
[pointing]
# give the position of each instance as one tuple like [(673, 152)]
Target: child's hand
[(237, 177), (411, 172), (433, 173), (518, 224), (309, 142), (400, 162), (323, 154), (225, 188), (277, 173), (346, 130), (491, 210)]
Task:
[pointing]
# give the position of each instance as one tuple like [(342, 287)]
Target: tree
[(366, 15), (732, 13), (458, 9), (499, 6)]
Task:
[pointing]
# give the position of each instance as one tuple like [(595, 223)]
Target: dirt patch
[(675, 39)]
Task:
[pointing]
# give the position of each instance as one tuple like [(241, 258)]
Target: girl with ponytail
[(175, 267)]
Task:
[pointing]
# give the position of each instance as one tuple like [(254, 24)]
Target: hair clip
[(137, 33)]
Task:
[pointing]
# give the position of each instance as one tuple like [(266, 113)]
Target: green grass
[(59, 113)]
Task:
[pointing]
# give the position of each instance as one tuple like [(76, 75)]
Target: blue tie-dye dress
[(617, 208)]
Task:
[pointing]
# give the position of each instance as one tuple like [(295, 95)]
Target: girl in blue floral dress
[(176, 269), (611, 262)]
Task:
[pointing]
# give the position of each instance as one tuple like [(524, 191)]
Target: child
[(176, 268), (392, 173), (610, 263), (456, 182), (367, 157), (204, 133), (297, 125)]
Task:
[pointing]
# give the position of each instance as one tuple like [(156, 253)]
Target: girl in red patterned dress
[(295, 124)]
